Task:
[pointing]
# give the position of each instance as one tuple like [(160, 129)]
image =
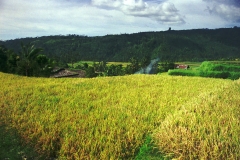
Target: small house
[(62, 72), (181, 66)]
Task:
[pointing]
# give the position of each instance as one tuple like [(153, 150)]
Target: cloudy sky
[(25, 18)]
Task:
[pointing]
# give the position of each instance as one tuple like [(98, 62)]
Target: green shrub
[(215, 74), (216, 70), (206, 66), (225, 67), (179, 72), (211, 66), (234, 75)]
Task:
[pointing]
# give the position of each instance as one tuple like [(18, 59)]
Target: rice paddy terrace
[(112, 117)]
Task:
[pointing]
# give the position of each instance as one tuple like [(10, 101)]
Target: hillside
[(184, 45), (120, 117)]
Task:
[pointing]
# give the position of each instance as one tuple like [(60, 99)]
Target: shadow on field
[(12, 148)]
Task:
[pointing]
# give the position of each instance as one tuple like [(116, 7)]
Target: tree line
[(135, 64), (31, 62), (28, 62)]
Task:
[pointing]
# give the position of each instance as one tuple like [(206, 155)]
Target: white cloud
[(164, 12), (228, 10), (195, 15), (25, 18)]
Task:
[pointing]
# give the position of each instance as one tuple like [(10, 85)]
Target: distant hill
[(184, 45)]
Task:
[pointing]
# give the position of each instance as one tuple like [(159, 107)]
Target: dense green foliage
[(180, 72), (212, 69), (185, 45), (165, 66), (220, 66), (29, 61), (104, 69)]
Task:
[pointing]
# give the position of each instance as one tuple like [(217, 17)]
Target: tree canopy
[(172, 45), (28, 62)]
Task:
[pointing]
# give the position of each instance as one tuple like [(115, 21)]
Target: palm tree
[(28, 55), (3, 59)]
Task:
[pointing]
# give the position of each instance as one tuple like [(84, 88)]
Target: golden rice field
[(110, 117)]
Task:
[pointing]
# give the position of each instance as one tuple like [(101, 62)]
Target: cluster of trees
[(28, 62), (102, 69)]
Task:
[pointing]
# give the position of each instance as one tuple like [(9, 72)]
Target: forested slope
[(185, 45)]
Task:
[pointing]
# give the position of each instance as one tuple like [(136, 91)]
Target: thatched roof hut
[(62, 72)]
